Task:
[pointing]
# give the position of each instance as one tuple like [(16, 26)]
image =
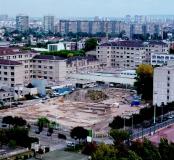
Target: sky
[(87, 8)]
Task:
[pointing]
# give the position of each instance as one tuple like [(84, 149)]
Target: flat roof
[(9, 62)]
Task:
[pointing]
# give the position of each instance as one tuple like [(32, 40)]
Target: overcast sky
[(87, 8)]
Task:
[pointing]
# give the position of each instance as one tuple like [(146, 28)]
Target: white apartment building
[(159, 59), (121, 54), (51, 68), (155, 47), (163, 84), (82, 64), (11, 73), (25, 57), (32, 65)]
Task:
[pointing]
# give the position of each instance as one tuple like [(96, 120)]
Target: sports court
[(167, 133)]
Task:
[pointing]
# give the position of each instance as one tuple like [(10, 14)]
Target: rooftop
[(48, 57), (69, 60), (11, 51), (124, 44), (9, 62)]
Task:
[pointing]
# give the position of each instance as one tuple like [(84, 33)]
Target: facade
[(48, 24), (26, 66), (160, 59), (116, 27), (6, 96), (11, 73), (121, 54), (22, 23), (50, 68), (155, 47), (23, 57), (56, 47), (163, 83), (82, 64)]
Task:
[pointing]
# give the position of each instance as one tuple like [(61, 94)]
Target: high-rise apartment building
[(48, 24), (22, 23)]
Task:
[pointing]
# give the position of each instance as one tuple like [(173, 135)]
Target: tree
[(3, 137), (166, 150), (90, 148), (90, 44), (144, 81), (117, 123), (133, 156), (105, 152), (79, 133), (146, 150), (19, 121), (8, 120), (119, 136)]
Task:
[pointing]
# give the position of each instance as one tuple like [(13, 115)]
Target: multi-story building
[(51, 68), (155, 47), (11, 73), (48, 24), (82, 64), (121, 54), (22, 23), (117, 27), (24, 57), (160, 59), (163, 84), (31, 65)]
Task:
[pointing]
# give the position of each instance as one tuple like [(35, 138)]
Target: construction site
[(89, 108)]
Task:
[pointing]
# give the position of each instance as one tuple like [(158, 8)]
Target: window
[(51, 67), (5, 79), (5, 73), (12, 73), (5, 67), (12, 79)]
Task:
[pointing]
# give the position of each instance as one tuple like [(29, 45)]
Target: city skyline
[(80, 8)]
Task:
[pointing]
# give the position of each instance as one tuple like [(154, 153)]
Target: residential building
[(160, 59), (6, 96), (50, 68), (24, 57), (11, 73), (48, 24), (155, 47), (22, 23), (121, 54), (82, 64), (163, 84), (56, 47)]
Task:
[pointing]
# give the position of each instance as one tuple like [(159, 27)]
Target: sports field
[(167, 133)]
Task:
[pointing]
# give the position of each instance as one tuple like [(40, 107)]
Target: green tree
[(8, 120), (146, 150), (105, 152), (117, 123), (166, 150), (133, 156), (144, 81), (79, 133), (3, 137), (119, 136), (19, 121), (90, 44), (42, 122)]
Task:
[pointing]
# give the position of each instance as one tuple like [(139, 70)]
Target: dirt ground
[(77, 110)]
